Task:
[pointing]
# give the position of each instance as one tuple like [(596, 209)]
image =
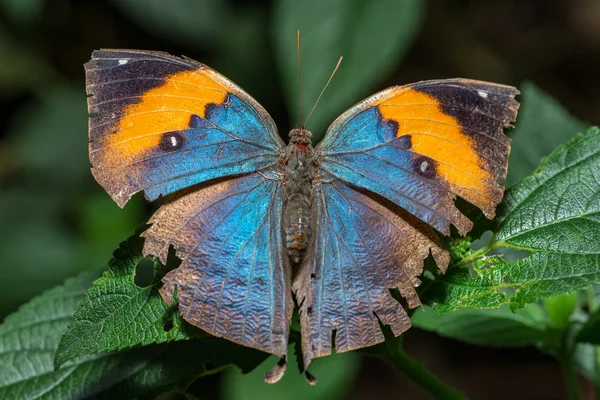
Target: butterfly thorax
[(298, 188)]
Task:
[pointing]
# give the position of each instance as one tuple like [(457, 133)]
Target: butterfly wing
[(359, 249), (161, 123), (423, 144), (234, 279)]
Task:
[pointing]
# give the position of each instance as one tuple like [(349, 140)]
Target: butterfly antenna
[(322, 91), (299, 75)]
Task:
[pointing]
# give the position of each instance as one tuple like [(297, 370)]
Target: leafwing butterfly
[(258, 223)]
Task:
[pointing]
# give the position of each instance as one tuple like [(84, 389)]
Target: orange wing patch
[(162, 109), (439, 136)]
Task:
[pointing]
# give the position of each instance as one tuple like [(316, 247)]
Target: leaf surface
[(29, 337), (543, 124), (116, 313), (494, 328), (555, 216)]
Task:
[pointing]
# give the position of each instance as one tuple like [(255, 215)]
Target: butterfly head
[(300, 135)]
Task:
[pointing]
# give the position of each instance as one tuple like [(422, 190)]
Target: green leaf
[(552, 214), (28, 339), (244, 54), (23, 12), (335, 373), (590, 332), (586, 359), (559, 309), (494, 328), (37, 252), (188, 21), (558, 208), (51, 203), (116, 313), (49, 135), (373, 37), (20, 68), (543, 124), (103, 224)]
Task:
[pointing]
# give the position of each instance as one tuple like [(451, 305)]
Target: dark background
[(56, 221)]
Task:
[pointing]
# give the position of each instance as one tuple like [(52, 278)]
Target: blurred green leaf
[(590, 332), (28, 339), (51, 221), (586, 360), (116, 313), (373, 37), (495, 328), (37, 251), (244, 52), (553, 214), (50, 135), (193, 22), (335, 373), (20, 68), (543, 124), (103, 224), (23, 12), (560, 308)]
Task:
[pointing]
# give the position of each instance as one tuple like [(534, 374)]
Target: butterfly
[(259, 225)]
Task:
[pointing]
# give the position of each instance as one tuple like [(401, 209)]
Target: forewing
[(423, 144), (234, 279), (161, 123), (359, 250)]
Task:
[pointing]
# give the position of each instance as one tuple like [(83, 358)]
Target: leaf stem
[(479, 253), (484, 250), (419, 374)]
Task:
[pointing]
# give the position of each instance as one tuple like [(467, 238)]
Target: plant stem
[(567, 348), (419, 374), (597, 380), (570, 378), (591, 299), (474, 256)]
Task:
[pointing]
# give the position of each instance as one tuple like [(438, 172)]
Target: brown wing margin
[(234, 280), (360, 249)]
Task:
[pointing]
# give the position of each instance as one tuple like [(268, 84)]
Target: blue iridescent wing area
[(161, 123), (423, 144), (234, 280), (359, 250)]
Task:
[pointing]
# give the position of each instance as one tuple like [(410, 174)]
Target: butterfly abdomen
[(298, 199)]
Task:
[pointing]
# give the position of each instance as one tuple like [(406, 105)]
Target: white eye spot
[(483, 94), (424, 166), (122, 62), (173, 141)]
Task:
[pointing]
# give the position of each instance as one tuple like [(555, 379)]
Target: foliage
[(550, 214), (187, 20), (28, 339), (348, 31), (496, 328), (54, 186), (116, 313), (542, 125), (111, 336), (335, 374)]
